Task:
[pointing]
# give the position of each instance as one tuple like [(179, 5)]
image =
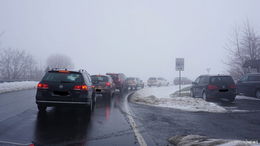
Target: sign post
[(179, 66)]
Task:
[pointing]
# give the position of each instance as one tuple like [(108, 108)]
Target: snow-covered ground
[(16, 86), (205, 141), (160, 96)]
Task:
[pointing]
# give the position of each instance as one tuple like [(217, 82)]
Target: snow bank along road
[(164, 118), (162, 97), (16, 86)]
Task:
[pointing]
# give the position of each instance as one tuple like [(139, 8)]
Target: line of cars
[(62, 87), (154, 81), (214, 87)]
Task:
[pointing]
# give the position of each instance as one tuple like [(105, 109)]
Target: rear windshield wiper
[(66, 82)]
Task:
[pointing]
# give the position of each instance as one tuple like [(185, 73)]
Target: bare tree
[(16, 64), (59, 61), (243, 46)]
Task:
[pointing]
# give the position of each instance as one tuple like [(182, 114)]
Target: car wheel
[(204, 96), (89, 108), (257, 94), (42, 108), (231, 100), (192, 93)]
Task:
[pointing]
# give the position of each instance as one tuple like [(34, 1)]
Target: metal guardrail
[(16, 80)]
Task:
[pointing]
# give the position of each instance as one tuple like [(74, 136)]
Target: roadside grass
[(184, 92)]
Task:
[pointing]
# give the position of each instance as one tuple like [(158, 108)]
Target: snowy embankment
[(205, 141), (16, 86), (161, 96)]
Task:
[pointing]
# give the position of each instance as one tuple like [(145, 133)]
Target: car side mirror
[(239, 81), (194, 83)]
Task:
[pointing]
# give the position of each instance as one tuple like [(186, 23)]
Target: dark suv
[(63, 88), (249, 85), (214, 87), (119, 80)]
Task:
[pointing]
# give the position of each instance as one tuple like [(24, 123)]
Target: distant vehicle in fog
[(103, 84), (162, 82), (249, 85), (214, 87), (65, 88), (153, 81), (134, 83), (184, 81), (119, 80)]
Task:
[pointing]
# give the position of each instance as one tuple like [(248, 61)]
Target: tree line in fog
[(20, 65), (244, 51)]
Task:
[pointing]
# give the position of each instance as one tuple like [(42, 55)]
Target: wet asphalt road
[(108, 124), (21, 123)]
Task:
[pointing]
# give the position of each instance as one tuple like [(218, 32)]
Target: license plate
[(98, 90)]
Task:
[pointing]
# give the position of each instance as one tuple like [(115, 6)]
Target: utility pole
[(179, 66)]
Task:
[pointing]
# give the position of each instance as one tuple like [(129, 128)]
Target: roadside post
[(179, 66)]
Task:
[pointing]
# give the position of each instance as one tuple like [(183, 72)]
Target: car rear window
[(152, 78), (253, 78), (98, 79), (221, 79), (63, 77), (114, 76), (130, 79)]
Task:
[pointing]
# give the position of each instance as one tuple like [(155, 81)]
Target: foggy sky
[(137, 37)]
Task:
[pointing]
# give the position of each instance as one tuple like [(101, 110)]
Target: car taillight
[(80, 87), (212, 87), (108, 83), (232, 86), (42, 86)]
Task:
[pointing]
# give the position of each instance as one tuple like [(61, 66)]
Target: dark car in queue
[(103, 84), (249, 85), (119, 80), (65, 88), (211, 87)]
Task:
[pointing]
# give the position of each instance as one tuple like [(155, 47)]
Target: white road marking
[(14, 143), (138, 135)]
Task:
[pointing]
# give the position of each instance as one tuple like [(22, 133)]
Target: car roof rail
[(57, 69), (82, 70)]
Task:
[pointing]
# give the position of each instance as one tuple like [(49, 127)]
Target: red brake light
[(80, 87), (63, 71), (212, 87), (232, 86), (108, 84), (42, 86)]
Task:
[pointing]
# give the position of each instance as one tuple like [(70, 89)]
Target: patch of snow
[(205, 141), (246, 97), (160, 92), (16, 86), (161, 97)]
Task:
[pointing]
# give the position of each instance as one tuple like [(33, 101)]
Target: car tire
[(231, 100), (42, 108), (192, 93), (89, 108), (204, 96), (257, 93)]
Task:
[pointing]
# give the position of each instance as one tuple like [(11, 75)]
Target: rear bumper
[(132, 85), (59, 103), (219, 95), (102, 91), (152, 84)]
